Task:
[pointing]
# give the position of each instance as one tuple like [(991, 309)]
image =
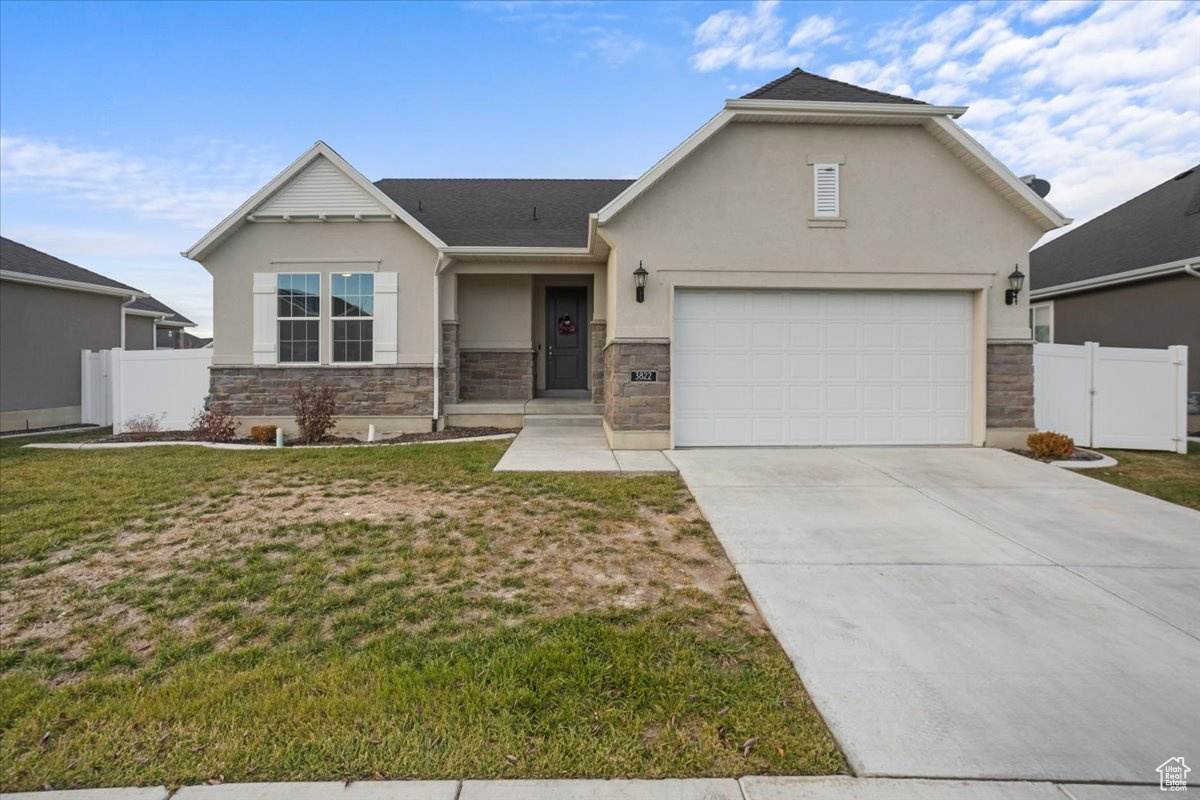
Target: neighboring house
[(50, 311), (189, 341), (1128, 278), (152, 325), (822, 264)]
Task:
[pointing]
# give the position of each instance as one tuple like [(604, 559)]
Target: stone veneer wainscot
[(361, 391), (642, 406), (495, 375), (1010, 385)]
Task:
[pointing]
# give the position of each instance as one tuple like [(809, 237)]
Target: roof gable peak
[(799, 85)]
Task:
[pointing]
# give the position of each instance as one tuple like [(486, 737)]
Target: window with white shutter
[(827, 201)]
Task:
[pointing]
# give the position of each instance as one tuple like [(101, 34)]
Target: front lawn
[(178, 615), (1168, 476)]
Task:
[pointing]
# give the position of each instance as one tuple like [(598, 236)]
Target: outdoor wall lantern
[(1015, 281), (639, 281)]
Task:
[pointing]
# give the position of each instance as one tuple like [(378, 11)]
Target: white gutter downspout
[(125, 305), (438, 266), (1190, 269)]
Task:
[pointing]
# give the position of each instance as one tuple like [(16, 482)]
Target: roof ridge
[(798, 71), (774, 83)]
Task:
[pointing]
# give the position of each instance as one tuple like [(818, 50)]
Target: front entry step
[(563, 421), (555, 406)]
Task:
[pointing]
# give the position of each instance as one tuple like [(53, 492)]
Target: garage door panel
[(794, 367)]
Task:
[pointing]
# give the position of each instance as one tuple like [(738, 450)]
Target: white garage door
[(785, 367)]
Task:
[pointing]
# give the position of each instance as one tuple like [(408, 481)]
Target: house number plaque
[(643, 376)]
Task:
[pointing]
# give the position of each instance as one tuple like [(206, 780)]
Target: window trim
[(1049, 306), (331, 319), (317, 319), (837, 189)]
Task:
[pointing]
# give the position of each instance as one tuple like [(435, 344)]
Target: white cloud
[(755, 40), (196, 193)]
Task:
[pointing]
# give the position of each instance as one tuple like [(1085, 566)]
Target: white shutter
[(386, 321), (265, 320), (826, 190)]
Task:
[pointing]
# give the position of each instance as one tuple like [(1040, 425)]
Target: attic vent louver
[(826, 190)]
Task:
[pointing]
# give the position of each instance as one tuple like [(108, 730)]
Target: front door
[(566, 337)]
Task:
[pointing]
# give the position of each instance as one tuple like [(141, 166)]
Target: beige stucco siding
[(494, 312), (320, 246), (736, 213)]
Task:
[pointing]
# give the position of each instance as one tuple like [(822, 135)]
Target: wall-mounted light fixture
[(1015, 281), (639, 281)]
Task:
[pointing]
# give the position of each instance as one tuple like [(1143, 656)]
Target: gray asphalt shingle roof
[(150, 304), (1156, 227), (500, 211), (801, 85), (17, 257)]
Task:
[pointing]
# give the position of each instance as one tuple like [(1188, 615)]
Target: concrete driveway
[(969, 613)]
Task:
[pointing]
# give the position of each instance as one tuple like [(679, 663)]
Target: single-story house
[(50, 311), (818, 264), (153, 325), (1128, 278)]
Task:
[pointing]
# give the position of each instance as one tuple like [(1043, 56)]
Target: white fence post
[(114, 382), (1179, 357), (1090, 351)]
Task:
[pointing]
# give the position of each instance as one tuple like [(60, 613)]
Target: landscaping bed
[(178, 616), (1080, 454), (402, 438)]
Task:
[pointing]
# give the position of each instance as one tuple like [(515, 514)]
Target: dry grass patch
[(173, 615)]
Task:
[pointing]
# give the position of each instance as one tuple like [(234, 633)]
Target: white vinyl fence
[(1112, 396), (169, 385)]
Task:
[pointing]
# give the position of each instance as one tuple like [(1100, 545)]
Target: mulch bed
[(25, 431), (328, 441), (1080, 454)]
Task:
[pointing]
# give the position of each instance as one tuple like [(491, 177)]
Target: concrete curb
[(53, 432), (831, 787), (229, 446), (1105, 461)]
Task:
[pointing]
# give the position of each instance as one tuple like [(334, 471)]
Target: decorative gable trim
[(388, 209), (321, 189)]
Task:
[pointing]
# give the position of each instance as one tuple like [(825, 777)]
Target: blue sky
[(129, 129)]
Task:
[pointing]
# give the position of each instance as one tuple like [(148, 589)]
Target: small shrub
[(145, 423), (214, 424), (1051, 445), (313, 405), (263, 434)]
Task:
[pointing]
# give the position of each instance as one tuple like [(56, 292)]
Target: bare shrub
[(1051, 445), (214, 424), (145, 424), (315, 409)]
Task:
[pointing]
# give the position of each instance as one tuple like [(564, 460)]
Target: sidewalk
[(749, 788)]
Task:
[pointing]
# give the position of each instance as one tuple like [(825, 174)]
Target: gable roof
[(500, 211), (848, 104), (1159, 226), (805, 86), (18, 259), (280, 182), (152, 305)]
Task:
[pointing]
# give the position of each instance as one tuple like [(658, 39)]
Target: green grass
[(1174, 477), (174, 615)]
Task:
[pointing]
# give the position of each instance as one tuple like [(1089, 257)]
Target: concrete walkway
[(968, 613), (558, 444), (749, 788)]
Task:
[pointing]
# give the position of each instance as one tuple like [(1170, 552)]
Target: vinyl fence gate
[(1119, 397), (169, 385)]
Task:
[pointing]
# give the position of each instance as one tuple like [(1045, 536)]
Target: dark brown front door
[(566, 337)]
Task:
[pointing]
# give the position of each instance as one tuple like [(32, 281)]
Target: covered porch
[(518, 334)]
